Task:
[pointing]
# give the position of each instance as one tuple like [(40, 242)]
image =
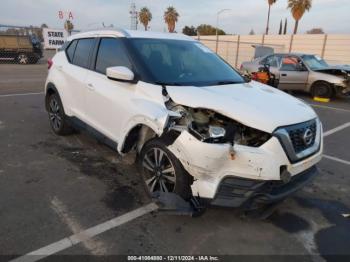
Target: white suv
[(198, 127)]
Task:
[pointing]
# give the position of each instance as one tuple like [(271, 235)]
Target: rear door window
[(111, 52), (272, 61), (82, 52), (71, 49)]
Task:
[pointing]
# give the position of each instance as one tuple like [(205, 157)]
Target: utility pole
[(133, 17), (217, 25)]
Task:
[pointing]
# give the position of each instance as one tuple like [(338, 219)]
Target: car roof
[(130, 34)]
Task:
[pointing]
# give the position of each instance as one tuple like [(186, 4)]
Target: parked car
[(306, 72), (21, 49), (197, 126)]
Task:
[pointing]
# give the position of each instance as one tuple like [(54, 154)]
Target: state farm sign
[(54, 38)]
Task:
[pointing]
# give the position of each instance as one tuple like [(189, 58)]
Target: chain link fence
[(21, 45)]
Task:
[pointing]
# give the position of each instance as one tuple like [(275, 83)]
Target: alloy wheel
[(55, 114), (23, 59), (159, 171)]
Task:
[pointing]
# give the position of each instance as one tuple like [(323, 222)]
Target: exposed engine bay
[(211, 127)]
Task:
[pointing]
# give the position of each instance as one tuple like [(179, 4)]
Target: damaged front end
[(217, 150), (344, 74)]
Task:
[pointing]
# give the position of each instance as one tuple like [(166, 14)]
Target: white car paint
[(114, 108), (252, 104)]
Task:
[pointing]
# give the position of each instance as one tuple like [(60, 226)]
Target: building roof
[(130, 34)]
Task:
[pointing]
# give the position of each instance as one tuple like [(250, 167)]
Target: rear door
[(74, 74), (108, 101), (293, 74), (274, 62)]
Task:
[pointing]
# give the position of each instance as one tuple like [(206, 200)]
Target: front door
[(293, 75), (108, 102)]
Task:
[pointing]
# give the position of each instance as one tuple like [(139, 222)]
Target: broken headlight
[(211, 127)]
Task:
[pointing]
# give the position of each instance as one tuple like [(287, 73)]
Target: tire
[(175, 179), (34, 60), (57, 117), (322, 89), (22, 59)]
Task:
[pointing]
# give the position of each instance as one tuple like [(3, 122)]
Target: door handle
[(284, 75), (90, 87), (60, 68)]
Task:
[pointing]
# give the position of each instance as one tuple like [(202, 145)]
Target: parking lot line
[(336, 129), (330, 107), (23, 94), (85, 235), (337, 159)]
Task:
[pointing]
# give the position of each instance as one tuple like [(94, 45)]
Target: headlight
[(216, 131)]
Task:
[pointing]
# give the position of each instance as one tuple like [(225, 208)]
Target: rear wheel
[(57, 117), (162, 171), (322, 89), (22, 59)]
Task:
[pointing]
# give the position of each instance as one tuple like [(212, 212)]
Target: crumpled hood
[(252, 104), (338, 69)]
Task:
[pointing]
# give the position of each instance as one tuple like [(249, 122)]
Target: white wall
[(335, 49)]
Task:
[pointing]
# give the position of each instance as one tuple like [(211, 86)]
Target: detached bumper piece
[(252, 194)]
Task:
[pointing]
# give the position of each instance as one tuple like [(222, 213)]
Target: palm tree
[(270, 2), (298, 8), (170, 17), (145, 16), (68, 25)]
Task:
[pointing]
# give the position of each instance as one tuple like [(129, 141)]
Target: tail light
[(241, 67), (49, 63)]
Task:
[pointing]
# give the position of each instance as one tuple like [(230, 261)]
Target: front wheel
[(322, 89), (162, 171), (22, 59)]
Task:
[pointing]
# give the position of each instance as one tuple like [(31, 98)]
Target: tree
[(285, 27), (280, 30), (205, 29), (68, 25), (252, 32), (191, 31), (315, 31), (145, 16), (270, 2), (298, 8), (170, 17), (44, 26)]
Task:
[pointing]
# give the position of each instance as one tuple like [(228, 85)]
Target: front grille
[(296, 136), (300, 140)]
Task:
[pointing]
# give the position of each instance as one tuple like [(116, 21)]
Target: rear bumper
[(249, 193)]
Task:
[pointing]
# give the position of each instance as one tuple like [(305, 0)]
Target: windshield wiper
[(226, 82), (168, 83)]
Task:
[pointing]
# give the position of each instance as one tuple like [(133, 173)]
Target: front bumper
[(249, 193)]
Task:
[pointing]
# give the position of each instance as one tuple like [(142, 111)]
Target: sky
[(331, 15)]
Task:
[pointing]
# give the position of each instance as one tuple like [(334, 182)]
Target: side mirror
[(120, 73)]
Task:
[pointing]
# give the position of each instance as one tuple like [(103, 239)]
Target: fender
[(150, 114)]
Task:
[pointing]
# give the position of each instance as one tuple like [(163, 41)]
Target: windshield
[(314, 62), (181, 62)]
